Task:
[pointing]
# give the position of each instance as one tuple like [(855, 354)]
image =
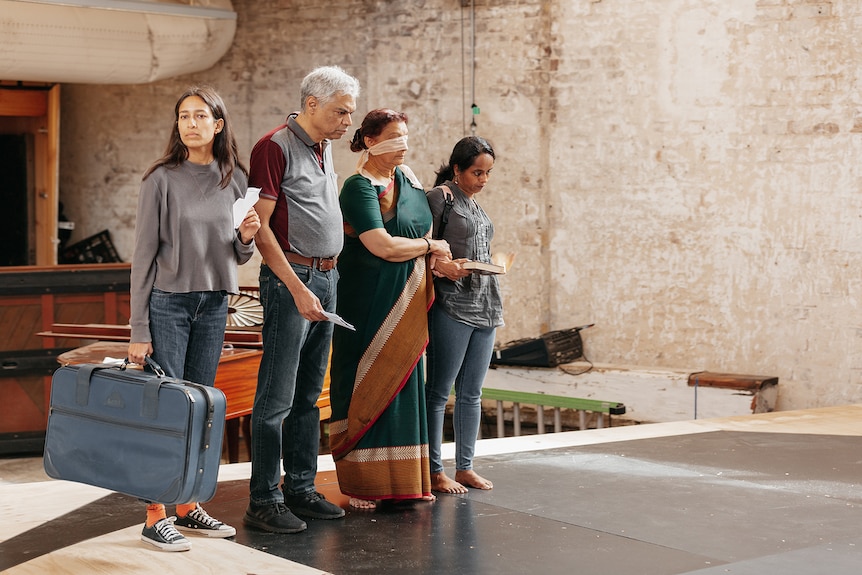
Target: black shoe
[(274, 517), (199, 521), (165, 536), (313, 504)]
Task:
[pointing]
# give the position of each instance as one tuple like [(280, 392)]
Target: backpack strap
[(449, 201)]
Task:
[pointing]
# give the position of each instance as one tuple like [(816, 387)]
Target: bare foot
[(357, 503), (470, 478), (431, 497), (441, 482)]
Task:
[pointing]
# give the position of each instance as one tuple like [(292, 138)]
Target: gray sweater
[(185, 240)]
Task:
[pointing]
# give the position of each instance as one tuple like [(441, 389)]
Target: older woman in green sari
[(378, 430)]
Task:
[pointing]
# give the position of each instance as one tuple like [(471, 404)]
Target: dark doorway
[(14, 232)]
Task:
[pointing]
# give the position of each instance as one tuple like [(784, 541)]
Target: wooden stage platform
[(756, 494)]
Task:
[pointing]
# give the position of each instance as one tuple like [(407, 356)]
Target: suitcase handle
[(157, 369), (150, 403), (150, 407)]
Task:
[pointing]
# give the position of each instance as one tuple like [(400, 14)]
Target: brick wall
[(683, 173)]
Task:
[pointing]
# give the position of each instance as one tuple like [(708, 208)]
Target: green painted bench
[(558, 402)]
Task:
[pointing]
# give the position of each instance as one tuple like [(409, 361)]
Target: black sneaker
[(313, 504), (164, 536), (199, 521), (274, 517)]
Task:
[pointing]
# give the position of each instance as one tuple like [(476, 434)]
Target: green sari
[(378, 430)]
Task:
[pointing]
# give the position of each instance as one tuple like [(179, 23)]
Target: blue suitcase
[(135, 432)]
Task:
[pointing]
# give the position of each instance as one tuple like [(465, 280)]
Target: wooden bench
[(762, 388)]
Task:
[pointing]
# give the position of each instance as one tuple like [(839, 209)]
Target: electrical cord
[(582, 372)]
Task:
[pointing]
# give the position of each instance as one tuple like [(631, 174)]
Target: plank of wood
[(29, 103), (731, 380), (111, 332)]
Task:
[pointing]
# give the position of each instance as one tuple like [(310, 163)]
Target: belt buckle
[(324, 264)]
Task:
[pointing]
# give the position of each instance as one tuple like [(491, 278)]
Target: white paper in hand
[(242, 205), (338, 320)]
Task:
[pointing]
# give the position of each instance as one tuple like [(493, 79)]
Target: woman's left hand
[(249, 226), (138, 352), (450, 269)]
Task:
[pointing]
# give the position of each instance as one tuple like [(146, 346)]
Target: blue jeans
[(285, 420), (188, 333), (459, 355)]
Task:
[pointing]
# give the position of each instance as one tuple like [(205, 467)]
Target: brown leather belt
[(322, 264)]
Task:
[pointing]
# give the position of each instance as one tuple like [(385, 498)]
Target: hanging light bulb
[(475, 109)]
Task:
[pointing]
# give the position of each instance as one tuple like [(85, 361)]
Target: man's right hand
[(308, 305)]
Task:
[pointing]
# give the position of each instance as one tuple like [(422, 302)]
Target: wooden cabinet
[(32, 299)]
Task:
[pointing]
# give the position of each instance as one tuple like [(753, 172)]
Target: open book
[(484, 267)]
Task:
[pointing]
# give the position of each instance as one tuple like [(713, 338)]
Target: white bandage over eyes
[(391, 145), (384, 147)]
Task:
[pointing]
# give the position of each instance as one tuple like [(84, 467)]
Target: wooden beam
[(48, 182), (29, 103)]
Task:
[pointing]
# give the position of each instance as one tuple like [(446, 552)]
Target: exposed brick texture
[(683, 173)]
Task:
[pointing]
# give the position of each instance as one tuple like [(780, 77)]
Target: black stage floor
[(715, 502)]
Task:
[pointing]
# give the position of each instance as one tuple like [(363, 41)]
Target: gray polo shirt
[(307, 216)]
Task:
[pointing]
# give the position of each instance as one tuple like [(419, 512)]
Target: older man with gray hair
[(300, 238)]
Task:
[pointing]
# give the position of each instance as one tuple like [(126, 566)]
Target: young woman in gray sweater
[(184, 265)]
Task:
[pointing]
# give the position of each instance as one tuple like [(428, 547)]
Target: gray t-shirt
[(185, 240)]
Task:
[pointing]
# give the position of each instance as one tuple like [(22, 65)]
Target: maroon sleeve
[(266, 167)]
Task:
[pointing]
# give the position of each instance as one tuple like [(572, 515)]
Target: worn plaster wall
[(708, 176), (683, 173)]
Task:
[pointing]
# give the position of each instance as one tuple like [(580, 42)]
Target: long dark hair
[(373, 124), (463, 155), (225, 149)]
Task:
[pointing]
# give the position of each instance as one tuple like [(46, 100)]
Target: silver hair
[(326, 82)]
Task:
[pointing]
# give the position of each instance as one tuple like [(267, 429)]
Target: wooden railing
[(581, 405)]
